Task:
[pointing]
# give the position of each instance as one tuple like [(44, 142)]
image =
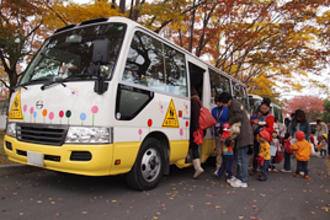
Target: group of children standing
[(267, 146), (299, 145)]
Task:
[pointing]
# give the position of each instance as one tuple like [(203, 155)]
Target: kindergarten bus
[(108, 96)]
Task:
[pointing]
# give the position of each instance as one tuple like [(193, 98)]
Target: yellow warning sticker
[(171, 120), (16, 108)]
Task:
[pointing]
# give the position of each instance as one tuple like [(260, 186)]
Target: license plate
[(35, 158)]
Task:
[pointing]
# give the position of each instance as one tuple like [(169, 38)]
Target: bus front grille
[(41, 134)]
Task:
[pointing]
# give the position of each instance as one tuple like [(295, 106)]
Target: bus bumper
[(82, 159)]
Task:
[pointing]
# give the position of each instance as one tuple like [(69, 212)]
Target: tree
[(259, 42), (266, 44), (312, 106), (20, 31), (326, 115)]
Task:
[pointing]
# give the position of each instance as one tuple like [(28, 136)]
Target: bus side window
[(156, 65), (241, 95), (219, 84), (130, 101), (176, 72), (144, 60)]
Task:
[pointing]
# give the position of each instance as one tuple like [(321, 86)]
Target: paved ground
[(33, 193)]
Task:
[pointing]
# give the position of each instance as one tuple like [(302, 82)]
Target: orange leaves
[(20, 25), (73, 13), (311, 105), (259, 42)]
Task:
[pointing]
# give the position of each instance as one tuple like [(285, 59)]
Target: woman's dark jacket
[(195, 110), (237, 113)]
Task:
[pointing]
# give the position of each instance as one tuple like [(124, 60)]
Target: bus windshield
[(84, 53)]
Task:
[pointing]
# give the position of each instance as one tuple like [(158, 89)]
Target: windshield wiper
[(28, 83), (60, 81), (47, 84)]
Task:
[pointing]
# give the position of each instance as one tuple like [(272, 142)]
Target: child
[(303, 153), (227, 153), (274, 147), (324, 145), (264, 154), (220, 113)]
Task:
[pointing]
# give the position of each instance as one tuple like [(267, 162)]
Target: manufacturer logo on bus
[(39, 104)]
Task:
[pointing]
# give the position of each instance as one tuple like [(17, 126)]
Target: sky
[(308, 89)]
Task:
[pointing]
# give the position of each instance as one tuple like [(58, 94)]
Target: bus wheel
[(148, 168)]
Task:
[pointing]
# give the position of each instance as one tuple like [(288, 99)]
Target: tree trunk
[(122, 6), (192, 28), (12, 74)]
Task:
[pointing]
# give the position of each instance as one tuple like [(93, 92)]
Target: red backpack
[(206, 119), (287, 147)]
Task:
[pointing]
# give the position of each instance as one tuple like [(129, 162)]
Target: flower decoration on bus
[(51, 116), (44, 114), (32, 113), (94, 110), (83, 117), (185, 108), (35, 116), (68, 115), (61, 114), (74, 91), (160, 107)]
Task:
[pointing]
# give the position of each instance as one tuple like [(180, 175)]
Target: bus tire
[(148, 167)]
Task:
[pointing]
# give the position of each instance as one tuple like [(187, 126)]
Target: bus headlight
[(11, 129), (89, 135)]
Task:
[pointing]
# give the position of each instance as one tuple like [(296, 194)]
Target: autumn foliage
[(21, 34), (266, 44), (312, 106)]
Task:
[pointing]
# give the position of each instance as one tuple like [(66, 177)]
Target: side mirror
[(100, 57), (100, 86)]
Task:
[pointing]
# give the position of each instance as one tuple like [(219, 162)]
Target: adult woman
[(262, 119), (237, 114), (194, 127), (300, 123)]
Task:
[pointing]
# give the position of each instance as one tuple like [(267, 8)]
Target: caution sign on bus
[(171, 119), (16, 108)]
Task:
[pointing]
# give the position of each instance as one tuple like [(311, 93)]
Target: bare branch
[(57, 14), (5, 83), (183, 12)]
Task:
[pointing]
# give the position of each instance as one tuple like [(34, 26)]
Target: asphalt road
[(33, 193)]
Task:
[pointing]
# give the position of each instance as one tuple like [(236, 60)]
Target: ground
[(33, 193)]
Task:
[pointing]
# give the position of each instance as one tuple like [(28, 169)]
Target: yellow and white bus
[(107, 97)]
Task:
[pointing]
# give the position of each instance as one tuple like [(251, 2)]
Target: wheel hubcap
[(150, 165)]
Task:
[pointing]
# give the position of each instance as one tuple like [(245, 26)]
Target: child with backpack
[(227, 153), (303, 152), (264, 154), (275, 147)]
